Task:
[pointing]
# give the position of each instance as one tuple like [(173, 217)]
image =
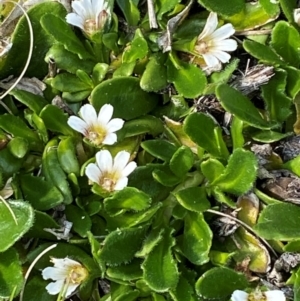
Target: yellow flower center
[(257, 296), (77, 274), (109, 180), (96, 134)]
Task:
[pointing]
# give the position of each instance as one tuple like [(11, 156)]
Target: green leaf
[(272, 223), (55, 120), (285, 40), (66, 60), (197, 238), (35, 290), (18, 147), (126, 272), (130, 11), (201, 129), (272, 8), (123, 93), (239, 174), (45, 197), (165, 6), (188, 79), (161, 149), (11, 274), (63, 33), (262, 52), (127, 199), (184, 291), (182, 161), (67, 82), (164, 175), (8, 163), (81, 221), (212, 169), (121, 245), (137, 49), (193, 199), (239, 105), (277, 103), (268, 136), (221, 7), (154, 77), (293, 81), (160, 269), (297, 286), (15, 60), (227, 281), (293, 165), (12, 230), (288, 7), (32, 101)]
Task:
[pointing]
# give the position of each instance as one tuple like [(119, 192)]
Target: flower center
[(202, 47), (257, 296), (109, 180), (96, 134), (77, 274)]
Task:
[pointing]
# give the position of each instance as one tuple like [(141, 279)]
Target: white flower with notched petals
[(99, 129), (111, 174), (258, 295), (213, 43), (89, 15), (67, 274)]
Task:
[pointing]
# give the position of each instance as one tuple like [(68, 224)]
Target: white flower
[(89, 15), (212, 43), (297, 16), (111, 174), (67, 273), (97, 129), (257, 295)]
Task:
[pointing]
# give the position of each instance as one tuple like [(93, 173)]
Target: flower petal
[(224, 57), (110, 139), (104, 160), (121, 183), (210, 60), (88, 114), (225, 45), (223, 32), (210, 26), (129, 168), (93, 172), (105, 113), (239, 296), (121, 160), (79, 8), (75, 20), (54, 273), (115, 124), (54, 288), (275, 295), (77, 124), (71, 288), (64, 263)]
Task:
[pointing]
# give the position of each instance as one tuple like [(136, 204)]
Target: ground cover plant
[(149, 150)]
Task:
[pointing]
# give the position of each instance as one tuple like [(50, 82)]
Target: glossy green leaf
[(32, 101), (8, 163), (272, 8), (201, 129), (184, 291), (239, 174), (277, 103), (236, 131), (120, 245), (123, 93), (288, 7), (222, 7), (55, 120), (127, 199), (164, 175), (67, 82), (182, 161), (227, 281), (193, 199), (154, 77), (161, 149), (262, 52), (297, 286), (130, 11), (272, 223), (197, 238), (239, 105), (126, 272), (212, 169), (137, 49), (63, 33), (269, 136), (285, 40), (293, 165), (15, 60), (188, 79), (165, 6), (11, 229), (18, 147), (42, 195), (11, 274), (81, 221), (160, 268), (293, 81)]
